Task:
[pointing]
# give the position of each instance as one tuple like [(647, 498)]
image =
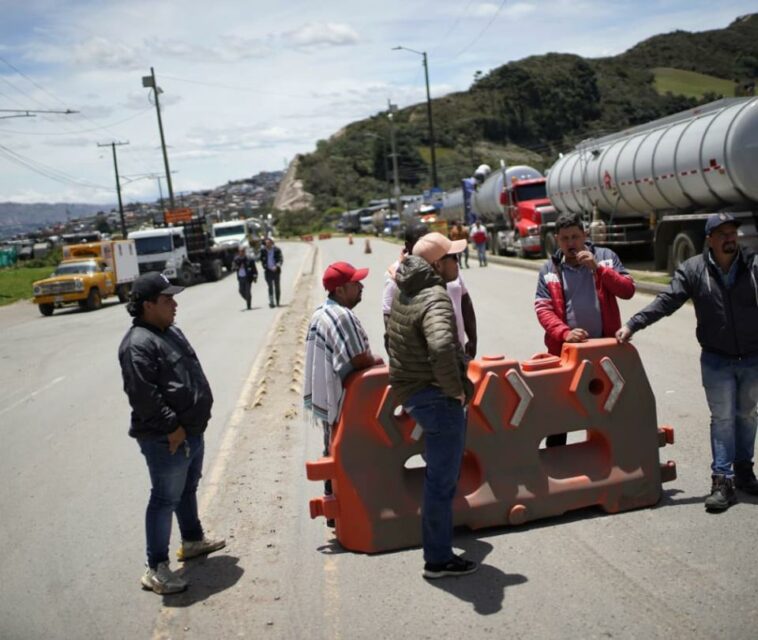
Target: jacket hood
[(415, 274)]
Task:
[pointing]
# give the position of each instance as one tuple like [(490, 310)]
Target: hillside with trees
[(528, 111)]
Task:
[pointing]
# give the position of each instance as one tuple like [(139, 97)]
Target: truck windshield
[(154, 244), (531, 192), (238, 230), (77, 267)]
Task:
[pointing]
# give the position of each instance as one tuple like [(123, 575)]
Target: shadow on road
[(485, 589), (206, 576)]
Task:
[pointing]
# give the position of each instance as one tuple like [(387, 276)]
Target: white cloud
[(317, 34)]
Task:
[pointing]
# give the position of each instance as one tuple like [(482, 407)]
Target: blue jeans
[(731, 388), (174, 480), (443, 420), (481, 252)]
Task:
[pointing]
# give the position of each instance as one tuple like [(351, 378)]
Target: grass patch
[(690, 83), (16, 282)]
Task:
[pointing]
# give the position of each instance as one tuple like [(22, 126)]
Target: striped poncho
[(335, 337)]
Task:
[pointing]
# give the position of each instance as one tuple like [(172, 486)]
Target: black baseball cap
[(715, 220), (152, 284)]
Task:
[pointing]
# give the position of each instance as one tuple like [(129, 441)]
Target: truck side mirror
[(504, 199)]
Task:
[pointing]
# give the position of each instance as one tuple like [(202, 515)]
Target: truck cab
[(85, 281), (527, 210), (163, 250), (232, 232)]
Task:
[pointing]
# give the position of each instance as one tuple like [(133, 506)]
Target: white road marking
[(33, 394)]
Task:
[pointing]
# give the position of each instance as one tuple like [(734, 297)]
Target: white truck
[(182, 252), (231, 234)]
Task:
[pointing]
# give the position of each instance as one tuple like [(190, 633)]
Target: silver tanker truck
[(654, 184)]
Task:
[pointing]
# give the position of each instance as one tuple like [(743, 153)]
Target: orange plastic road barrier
[(308, 238), (324, 236), (367, 248), (598, 388)]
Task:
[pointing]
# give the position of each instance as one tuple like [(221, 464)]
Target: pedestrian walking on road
[(247, 273), (577, 290), (722, 283), (271, 260), (479, 238), (335, 346), (463, 306), (459, 232), (171, 404), (428, 376)]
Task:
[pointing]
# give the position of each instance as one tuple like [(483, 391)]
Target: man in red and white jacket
[(577, 291)]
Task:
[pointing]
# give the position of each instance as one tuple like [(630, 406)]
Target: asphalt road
[(73, 491), (73, 485)]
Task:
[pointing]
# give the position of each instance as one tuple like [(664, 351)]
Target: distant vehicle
[(81, 237), (230, 233), (655, 184), (183, 250), (87, 275)]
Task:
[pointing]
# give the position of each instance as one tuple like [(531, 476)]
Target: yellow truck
[(87, 275)]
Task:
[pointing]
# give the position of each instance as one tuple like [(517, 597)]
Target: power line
[(78, 131), (482, 32)]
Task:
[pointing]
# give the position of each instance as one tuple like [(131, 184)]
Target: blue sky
[(247, 85)]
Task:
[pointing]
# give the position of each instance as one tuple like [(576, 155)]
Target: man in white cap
[(722, 283), (428, 376)]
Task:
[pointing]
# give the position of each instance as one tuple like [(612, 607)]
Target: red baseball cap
[(340, 273)]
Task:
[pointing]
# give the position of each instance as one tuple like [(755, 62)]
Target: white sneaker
[(194, 548), (162, 580)]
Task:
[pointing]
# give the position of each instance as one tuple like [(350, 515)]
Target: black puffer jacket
[(423, 341), (164, 381), (727, 319)]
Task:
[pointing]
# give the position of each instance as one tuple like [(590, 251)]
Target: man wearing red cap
[(428, 376), (335, 346)]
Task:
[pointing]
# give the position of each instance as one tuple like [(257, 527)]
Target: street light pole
[(395, 178), (113, 145), (149, 81), (432, 150)]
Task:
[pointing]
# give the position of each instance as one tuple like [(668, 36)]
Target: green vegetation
[(16, 282), (528, 111), (691, 83)]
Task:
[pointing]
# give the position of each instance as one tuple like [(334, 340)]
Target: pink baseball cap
[(433, 246)]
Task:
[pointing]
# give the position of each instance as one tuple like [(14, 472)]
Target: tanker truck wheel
[(685, 246)]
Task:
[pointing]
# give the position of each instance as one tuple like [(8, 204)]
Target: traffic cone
[(350, 238), (368, 246)]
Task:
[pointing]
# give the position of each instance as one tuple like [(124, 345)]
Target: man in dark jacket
[(247, 273), (722, 283), (577, 290), (428, 376), (271, 259), (171, 404)]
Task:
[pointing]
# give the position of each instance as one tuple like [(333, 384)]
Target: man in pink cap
[(428, 376), (335, 346)]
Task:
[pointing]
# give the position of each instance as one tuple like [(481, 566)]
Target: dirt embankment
[(291, 196)]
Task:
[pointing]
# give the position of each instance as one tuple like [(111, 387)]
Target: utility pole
[(396, 180), (113, 146), (149, 81), (432, 150)]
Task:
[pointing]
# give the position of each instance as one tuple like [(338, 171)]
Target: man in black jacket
[(171, 404), (271, 260), (247, 273), (723, 286)]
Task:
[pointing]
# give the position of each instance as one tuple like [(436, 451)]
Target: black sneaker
[(744, 478), (456, 566), (722, 494)]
